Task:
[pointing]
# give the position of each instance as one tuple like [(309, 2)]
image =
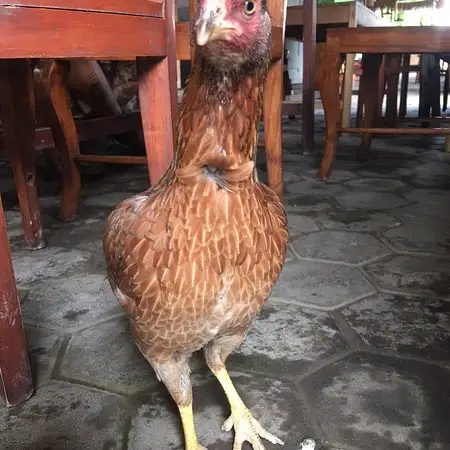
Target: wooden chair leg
[(394, 66), (404, 86), (435, 76), (424, 89), (446, 89), (158, 92), (66, 138), (329, 62), (371, 73), (381, 86), (347, 90), (359, 109), (16, 384), (19, 122), (155, 95), (273, 92)]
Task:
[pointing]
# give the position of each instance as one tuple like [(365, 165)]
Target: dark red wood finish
[(16, 384)]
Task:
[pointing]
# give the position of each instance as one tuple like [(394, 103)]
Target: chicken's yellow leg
[(246, 427), (190, 437)]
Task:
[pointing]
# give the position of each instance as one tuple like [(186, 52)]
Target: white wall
[(295, 60)]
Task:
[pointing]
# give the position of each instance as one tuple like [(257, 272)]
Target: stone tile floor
[(352, 349)]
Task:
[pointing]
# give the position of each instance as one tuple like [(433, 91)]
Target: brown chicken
[(193, 258)]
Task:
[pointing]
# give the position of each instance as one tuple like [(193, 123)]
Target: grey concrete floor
[(352, 349)]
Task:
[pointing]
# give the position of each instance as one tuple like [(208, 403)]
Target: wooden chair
[(101, 30), (15, 376), (68, 30)]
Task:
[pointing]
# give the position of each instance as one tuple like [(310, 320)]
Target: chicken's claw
[(248, 429)]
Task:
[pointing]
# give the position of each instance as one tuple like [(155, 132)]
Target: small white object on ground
[(308, 444)]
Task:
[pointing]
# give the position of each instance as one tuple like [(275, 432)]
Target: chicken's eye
[(250, 7)]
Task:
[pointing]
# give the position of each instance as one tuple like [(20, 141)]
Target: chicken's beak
[(210, 23), (204, 27)]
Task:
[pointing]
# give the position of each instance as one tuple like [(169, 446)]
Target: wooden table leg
[(329, 62), (309, 74), (272, 126), (51, 93), (370, 80), (16, 384), (155, 95), (347, 91), (446, 89), (18, 108), (359, 109), (425, 87), (393, 67), (66, 139), (404, 86)]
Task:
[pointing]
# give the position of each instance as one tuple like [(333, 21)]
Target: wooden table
[(70, 29), (372, 43), (347, 14)]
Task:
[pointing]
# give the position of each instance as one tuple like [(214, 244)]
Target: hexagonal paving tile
[(273, 402), (337, 175), (13, 223), (315, 188), (106, 356), (127, 174), (299, 224), (85, 232), (108, 200), (429, 197), (377, 184), (286, 336), (43, 347), (71, 302), (102, 186), (370, 200), (366, 221), (392, 168), (340, 246), (15, 230), (46, 263), (291, 177), (409, 325), (303, 204), (432, 237), (422, 213), (321, 285), (137, 186), (289, 255), (413, 274), (378, 403), (431, 174), (65, 416)]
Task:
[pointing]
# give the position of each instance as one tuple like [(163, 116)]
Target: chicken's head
[(232, 31)]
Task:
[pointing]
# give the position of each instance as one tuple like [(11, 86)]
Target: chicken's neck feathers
[(219, 117)]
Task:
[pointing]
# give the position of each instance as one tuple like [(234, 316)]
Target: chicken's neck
[(219, 117)]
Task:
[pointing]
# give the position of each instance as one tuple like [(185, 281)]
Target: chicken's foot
[(190, 437), (246, 427)]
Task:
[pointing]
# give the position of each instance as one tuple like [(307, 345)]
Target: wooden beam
[(309, 72), (58, 33), (151, 8)]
